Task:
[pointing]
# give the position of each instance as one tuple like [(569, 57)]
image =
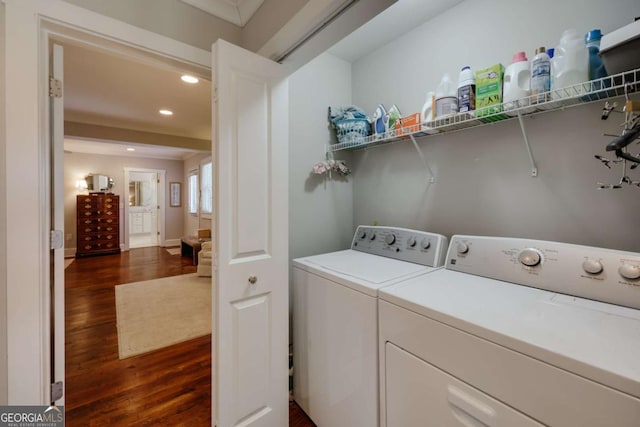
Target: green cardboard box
[(489, 93)]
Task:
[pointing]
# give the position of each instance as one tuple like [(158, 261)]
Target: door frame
[(29, 26), (160, 190)]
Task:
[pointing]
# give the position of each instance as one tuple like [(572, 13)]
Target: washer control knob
[(411, 242), (462, 248), (592, 266), (372, 236), (390, 239), (425, 244), (629, 271), (530, 257), (362, 234)]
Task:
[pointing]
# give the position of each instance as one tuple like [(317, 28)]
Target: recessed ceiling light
[(131, 149), (166, 112), (189, 79)]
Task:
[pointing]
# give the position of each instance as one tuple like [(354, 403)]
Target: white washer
[(335, 318), (467, 346)]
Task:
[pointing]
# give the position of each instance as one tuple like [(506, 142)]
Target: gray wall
[(320, 209), (3, 222), (483, 176), (78, 165)]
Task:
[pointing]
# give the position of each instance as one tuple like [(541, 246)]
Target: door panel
[(250, 351), (253, 165)]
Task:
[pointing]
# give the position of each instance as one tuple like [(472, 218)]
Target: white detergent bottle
[(517, 85), (446, 98), (570, 65)]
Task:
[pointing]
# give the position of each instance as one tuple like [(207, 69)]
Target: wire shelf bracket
[(534, 167), (432, 177)]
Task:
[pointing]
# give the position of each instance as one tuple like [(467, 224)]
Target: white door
[(250, 319), (57, 225)]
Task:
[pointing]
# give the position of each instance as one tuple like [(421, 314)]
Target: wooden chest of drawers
[(98, 224)]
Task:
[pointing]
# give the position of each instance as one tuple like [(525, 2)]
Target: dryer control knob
[(462, 248), (425, 244), (592, 266), (530, 257), (390, 239), (411, 242), (372, 236), (629, 271), (362, 234)]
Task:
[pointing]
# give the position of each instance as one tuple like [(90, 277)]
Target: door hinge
[(57, 389), (55, 88), (56, 239)]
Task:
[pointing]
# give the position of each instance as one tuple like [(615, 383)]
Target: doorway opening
[(118, 132), (144, 207)]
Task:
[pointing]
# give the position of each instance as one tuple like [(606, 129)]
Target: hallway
[(168, 387)]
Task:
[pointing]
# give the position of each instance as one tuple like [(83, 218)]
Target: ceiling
[(237, 12), (106, 89), (398, 19), (111, 90)]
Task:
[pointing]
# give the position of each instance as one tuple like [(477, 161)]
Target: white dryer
[(335, 320), (467, 346)]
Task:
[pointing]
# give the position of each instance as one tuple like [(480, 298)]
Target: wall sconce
[(81, 184)]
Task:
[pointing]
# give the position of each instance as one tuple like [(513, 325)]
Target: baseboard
[(69, 252), (171, 242)]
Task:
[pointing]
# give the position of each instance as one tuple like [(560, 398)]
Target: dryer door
[(419, 394)]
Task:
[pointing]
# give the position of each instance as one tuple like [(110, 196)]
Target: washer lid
[(593, 339), (361, 271)]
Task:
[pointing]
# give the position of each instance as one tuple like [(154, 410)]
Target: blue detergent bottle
[(596, 66)]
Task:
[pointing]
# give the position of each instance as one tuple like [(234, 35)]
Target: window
[(206, 187), (193, 192)]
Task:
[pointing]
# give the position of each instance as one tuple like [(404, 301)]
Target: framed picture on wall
[(175, 194)]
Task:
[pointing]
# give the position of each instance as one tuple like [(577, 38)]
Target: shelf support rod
[(534, 167), (432, 177)]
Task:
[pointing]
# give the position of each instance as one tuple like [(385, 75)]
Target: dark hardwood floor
[(166, 387)]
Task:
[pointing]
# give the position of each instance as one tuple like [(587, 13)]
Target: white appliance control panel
[(402, 244), (599, 274)]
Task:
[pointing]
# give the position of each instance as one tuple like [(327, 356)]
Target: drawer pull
[(467, 408)]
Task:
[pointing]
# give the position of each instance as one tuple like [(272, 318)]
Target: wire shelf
[(557, 99)]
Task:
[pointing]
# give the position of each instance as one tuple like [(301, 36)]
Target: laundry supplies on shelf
[(489, 92), (446, 98), (351, 123), (540, 76), (466, 90), (517, 85), (570, 63)]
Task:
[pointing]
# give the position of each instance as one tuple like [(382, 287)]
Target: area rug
[(174, 251), (158, 313)]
